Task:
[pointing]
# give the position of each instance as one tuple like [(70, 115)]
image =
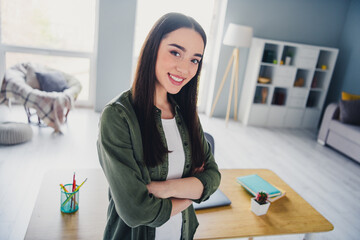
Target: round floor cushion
[(14, 133)]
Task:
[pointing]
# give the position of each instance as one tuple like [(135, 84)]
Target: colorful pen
[(74, 184), (73, 190), (62, 186), (80, 185), (66, 191), (72, 194)]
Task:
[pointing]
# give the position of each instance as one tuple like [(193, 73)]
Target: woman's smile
[(176, 80)]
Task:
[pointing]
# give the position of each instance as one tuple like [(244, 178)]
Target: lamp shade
[(238, 36)]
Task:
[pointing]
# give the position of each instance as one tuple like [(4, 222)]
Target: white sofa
[(340, 136)]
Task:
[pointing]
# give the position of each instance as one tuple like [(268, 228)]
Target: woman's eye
[(175, 53), (195, 61)]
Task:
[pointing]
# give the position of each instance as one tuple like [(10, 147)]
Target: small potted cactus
[(260, 204)]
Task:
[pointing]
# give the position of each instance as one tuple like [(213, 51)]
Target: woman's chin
[(174, 90)]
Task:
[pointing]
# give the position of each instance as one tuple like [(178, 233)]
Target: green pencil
[(72, 194)]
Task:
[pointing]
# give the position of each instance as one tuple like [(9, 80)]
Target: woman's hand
[(199, 169)]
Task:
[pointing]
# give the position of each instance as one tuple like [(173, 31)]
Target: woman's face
[(178, 59)]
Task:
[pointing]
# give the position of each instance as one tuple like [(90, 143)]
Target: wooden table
[(289, 215), (48, 222)]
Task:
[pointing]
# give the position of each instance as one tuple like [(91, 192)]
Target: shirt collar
[(173, 103)]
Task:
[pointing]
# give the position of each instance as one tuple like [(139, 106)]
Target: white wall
[(115, 46)]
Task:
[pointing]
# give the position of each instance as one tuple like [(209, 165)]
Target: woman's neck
[(162, 102)]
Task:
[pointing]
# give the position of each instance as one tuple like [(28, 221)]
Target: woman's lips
[(176, 80)]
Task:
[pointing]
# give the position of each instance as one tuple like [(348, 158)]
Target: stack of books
[(254, 184)]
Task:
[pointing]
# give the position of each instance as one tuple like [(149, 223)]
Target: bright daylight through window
[(58, 34)]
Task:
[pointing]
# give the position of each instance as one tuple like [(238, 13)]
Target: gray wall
[(317, 22), (115, 47), (347, 71)]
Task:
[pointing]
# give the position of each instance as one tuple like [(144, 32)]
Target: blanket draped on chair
[(51, 107)]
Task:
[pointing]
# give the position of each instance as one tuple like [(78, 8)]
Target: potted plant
[(260, 203)]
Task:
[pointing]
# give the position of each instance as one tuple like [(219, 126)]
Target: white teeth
[(176, 78)]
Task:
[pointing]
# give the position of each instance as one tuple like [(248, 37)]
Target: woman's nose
[(183, 67)]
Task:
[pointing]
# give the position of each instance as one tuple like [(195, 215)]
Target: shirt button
[(185, 143), (184, 221), (187, 166)]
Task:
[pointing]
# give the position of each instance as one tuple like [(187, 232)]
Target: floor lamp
[(235, 36)]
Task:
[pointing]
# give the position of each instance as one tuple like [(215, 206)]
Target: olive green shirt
[(133, 213)]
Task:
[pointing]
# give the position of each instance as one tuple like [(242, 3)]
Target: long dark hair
[(143, 91)]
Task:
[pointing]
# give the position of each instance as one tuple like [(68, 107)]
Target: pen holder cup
[(69, 201)]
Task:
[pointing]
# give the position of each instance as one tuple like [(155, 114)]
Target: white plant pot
[(259, 209)]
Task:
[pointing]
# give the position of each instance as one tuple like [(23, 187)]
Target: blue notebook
[(254, 184)]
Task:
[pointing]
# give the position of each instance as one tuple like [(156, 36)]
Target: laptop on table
[(217, 199)]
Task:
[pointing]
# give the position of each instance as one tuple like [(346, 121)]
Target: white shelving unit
[(285, 84)]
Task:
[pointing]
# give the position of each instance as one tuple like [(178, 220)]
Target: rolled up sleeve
[(133, 203)]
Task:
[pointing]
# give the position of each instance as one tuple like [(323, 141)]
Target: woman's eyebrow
[(178, 46), (183, 49)]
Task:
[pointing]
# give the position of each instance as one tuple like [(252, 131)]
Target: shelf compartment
[(266, 74), (261, 95), (284, 76), (324, 60), (314, 99), (306, 58), (289, 52), (296, 102), (302, 78), (276, 116), (293, 117), (279, 96), (319, 80), (270, 54)]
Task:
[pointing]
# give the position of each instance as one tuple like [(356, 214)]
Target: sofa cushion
[(51, 81), (348, 96), (350, 112), (351, 132)]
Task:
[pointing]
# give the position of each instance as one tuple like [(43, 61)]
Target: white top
[(172, 228)]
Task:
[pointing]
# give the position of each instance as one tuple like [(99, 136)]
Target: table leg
[(251, 238), (308, 236)]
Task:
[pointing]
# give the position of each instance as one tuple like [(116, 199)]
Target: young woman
[(151, 145)]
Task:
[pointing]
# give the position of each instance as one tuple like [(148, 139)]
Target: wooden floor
[(328, 180)]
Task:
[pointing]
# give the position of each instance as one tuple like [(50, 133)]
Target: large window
[(58, 34), (201, 10)]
